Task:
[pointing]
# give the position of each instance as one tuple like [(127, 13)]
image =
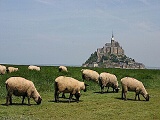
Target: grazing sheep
[(19, 86), (2, 69), (108, 80), (90, 75), (33, 67), (131, 84), (11, 69), (63, 69), (68, 85)]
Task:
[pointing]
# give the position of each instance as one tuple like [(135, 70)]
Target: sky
[(67, 32)]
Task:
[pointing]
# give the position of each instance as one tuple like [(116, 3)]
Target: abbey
[(112, 55), (110, 48)]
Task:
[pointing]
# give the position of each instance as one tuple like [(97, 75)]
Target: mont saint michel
[(112, 55)]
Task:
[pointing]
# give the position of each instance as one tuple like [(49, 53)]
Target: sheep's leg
[(10, 99), (7, 99), (29, 101), (102, 88), (135, 96), (56, 92), (77, 95), (122, 93), (70, 97), (56, 96), (107, 89), (125, 92), (138, 97), (63, 95), (23, 99)]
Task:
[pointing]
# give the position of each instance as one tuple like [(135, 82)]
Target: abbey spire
[(112, 36)]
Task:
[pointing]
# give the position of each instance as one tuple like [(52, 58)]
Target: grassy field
[(92, 105)]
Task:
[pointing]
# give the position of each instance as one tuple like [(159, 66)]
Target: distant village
[(112, 55)]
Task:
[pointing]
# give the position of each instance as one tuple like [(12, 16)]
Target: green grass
[(92, 105)]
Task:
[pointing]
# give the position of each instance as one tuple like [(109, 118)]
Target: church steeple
[(112, 37)]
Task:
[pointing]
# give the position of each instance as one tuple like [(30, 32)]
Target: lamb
[(2, 69), (33, 67), (131, 84), (68, 85), (11, 69), (108, 80), (88, 74), (19, 86), (63, 69)]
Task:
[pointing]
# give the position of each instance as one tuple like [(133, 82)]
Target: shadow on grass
[(66, 100), (129, 99), (18, 104), (104, 92)]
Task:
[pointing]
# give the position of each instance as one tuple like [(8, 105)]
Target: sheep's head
[(147, 97), (7, 70), (117, 89), (60, 69), (77, 95), (39, 100)]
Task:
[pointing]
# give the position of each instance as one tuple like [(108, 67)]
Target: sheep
[(68, 85), (11, 69), (88, 74), (33, 67), (19, 86), (108, 80), (131, 84), (2, 69), (62, 69)]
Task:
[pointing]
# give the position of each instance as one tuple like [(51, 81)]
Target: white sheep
[(12, 69), (68, 85), (33, 67), (131, 84), (2, 69), (108, 80), (88, 74), (63, 69), (19, 86)]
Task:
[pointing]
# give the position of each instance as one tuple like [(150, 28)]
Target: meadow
[(92, 105)]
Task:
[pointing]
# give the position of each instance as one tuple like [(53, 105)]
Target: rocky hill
[(112, 56)]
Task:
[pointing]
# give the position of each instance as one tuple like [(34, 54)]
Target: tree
[(92, 58)]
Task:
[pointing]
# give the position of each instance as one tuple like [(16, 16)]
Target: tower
[(112, 40)]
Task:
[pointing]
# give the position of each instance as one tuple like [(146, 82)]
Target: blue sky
[(68, 31)]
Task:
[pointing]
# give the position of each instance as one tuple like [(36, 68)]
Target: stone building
[(110, 48), (112, 55)]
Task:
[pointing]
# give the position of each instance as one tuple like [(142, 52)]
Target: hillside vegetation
[(92, 105)]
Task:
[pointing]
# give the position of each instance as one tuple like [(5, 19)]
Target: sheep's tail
[(55, 91)]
